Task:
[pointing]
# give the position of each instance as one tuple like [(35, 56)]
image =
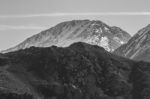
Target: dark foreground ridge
[(80, 71)]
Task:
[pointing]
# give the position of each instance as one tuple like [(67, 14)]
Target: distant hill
[(80, 71), (138, 47), (66, 33)]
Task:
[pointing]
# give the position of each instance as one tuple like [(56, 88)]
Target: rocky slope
[(66, 33), (80, 71), (138, 47)]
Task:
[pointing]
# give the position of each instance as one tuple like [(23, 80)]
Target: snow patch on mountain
[(104, 42), (118, 40), (100, 41)]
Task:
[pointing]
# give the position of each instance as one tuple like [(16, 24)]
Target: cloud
[(76, 14), (21, 27)]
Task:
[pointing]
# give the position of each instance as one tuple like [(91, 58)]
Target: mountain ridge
[(63, 34), (138, 47), (80, 71)]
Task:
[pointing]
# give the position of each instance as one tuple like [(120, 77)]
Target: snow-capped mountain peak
[(66, 33)]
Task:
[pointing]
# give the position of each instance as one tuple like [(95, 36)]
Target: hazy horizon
[(21, 19)]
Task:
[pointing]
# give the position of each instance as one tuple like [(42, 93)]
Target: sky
[(20, 19)]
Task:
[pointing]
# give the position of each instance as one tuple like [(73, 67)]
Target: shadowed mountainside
[(80, 71)]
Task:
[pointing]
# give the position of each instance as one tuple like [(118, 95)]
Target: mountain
[(138, 47), (80, 71), (66, 33)]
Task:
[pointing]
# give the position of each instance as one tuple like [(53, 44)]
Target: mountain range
[(93, 32), (80, 71), (79, 59)]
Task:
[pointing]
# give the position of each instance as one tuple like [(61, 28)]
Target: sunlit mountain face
[(66, 33), (138, 47)]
